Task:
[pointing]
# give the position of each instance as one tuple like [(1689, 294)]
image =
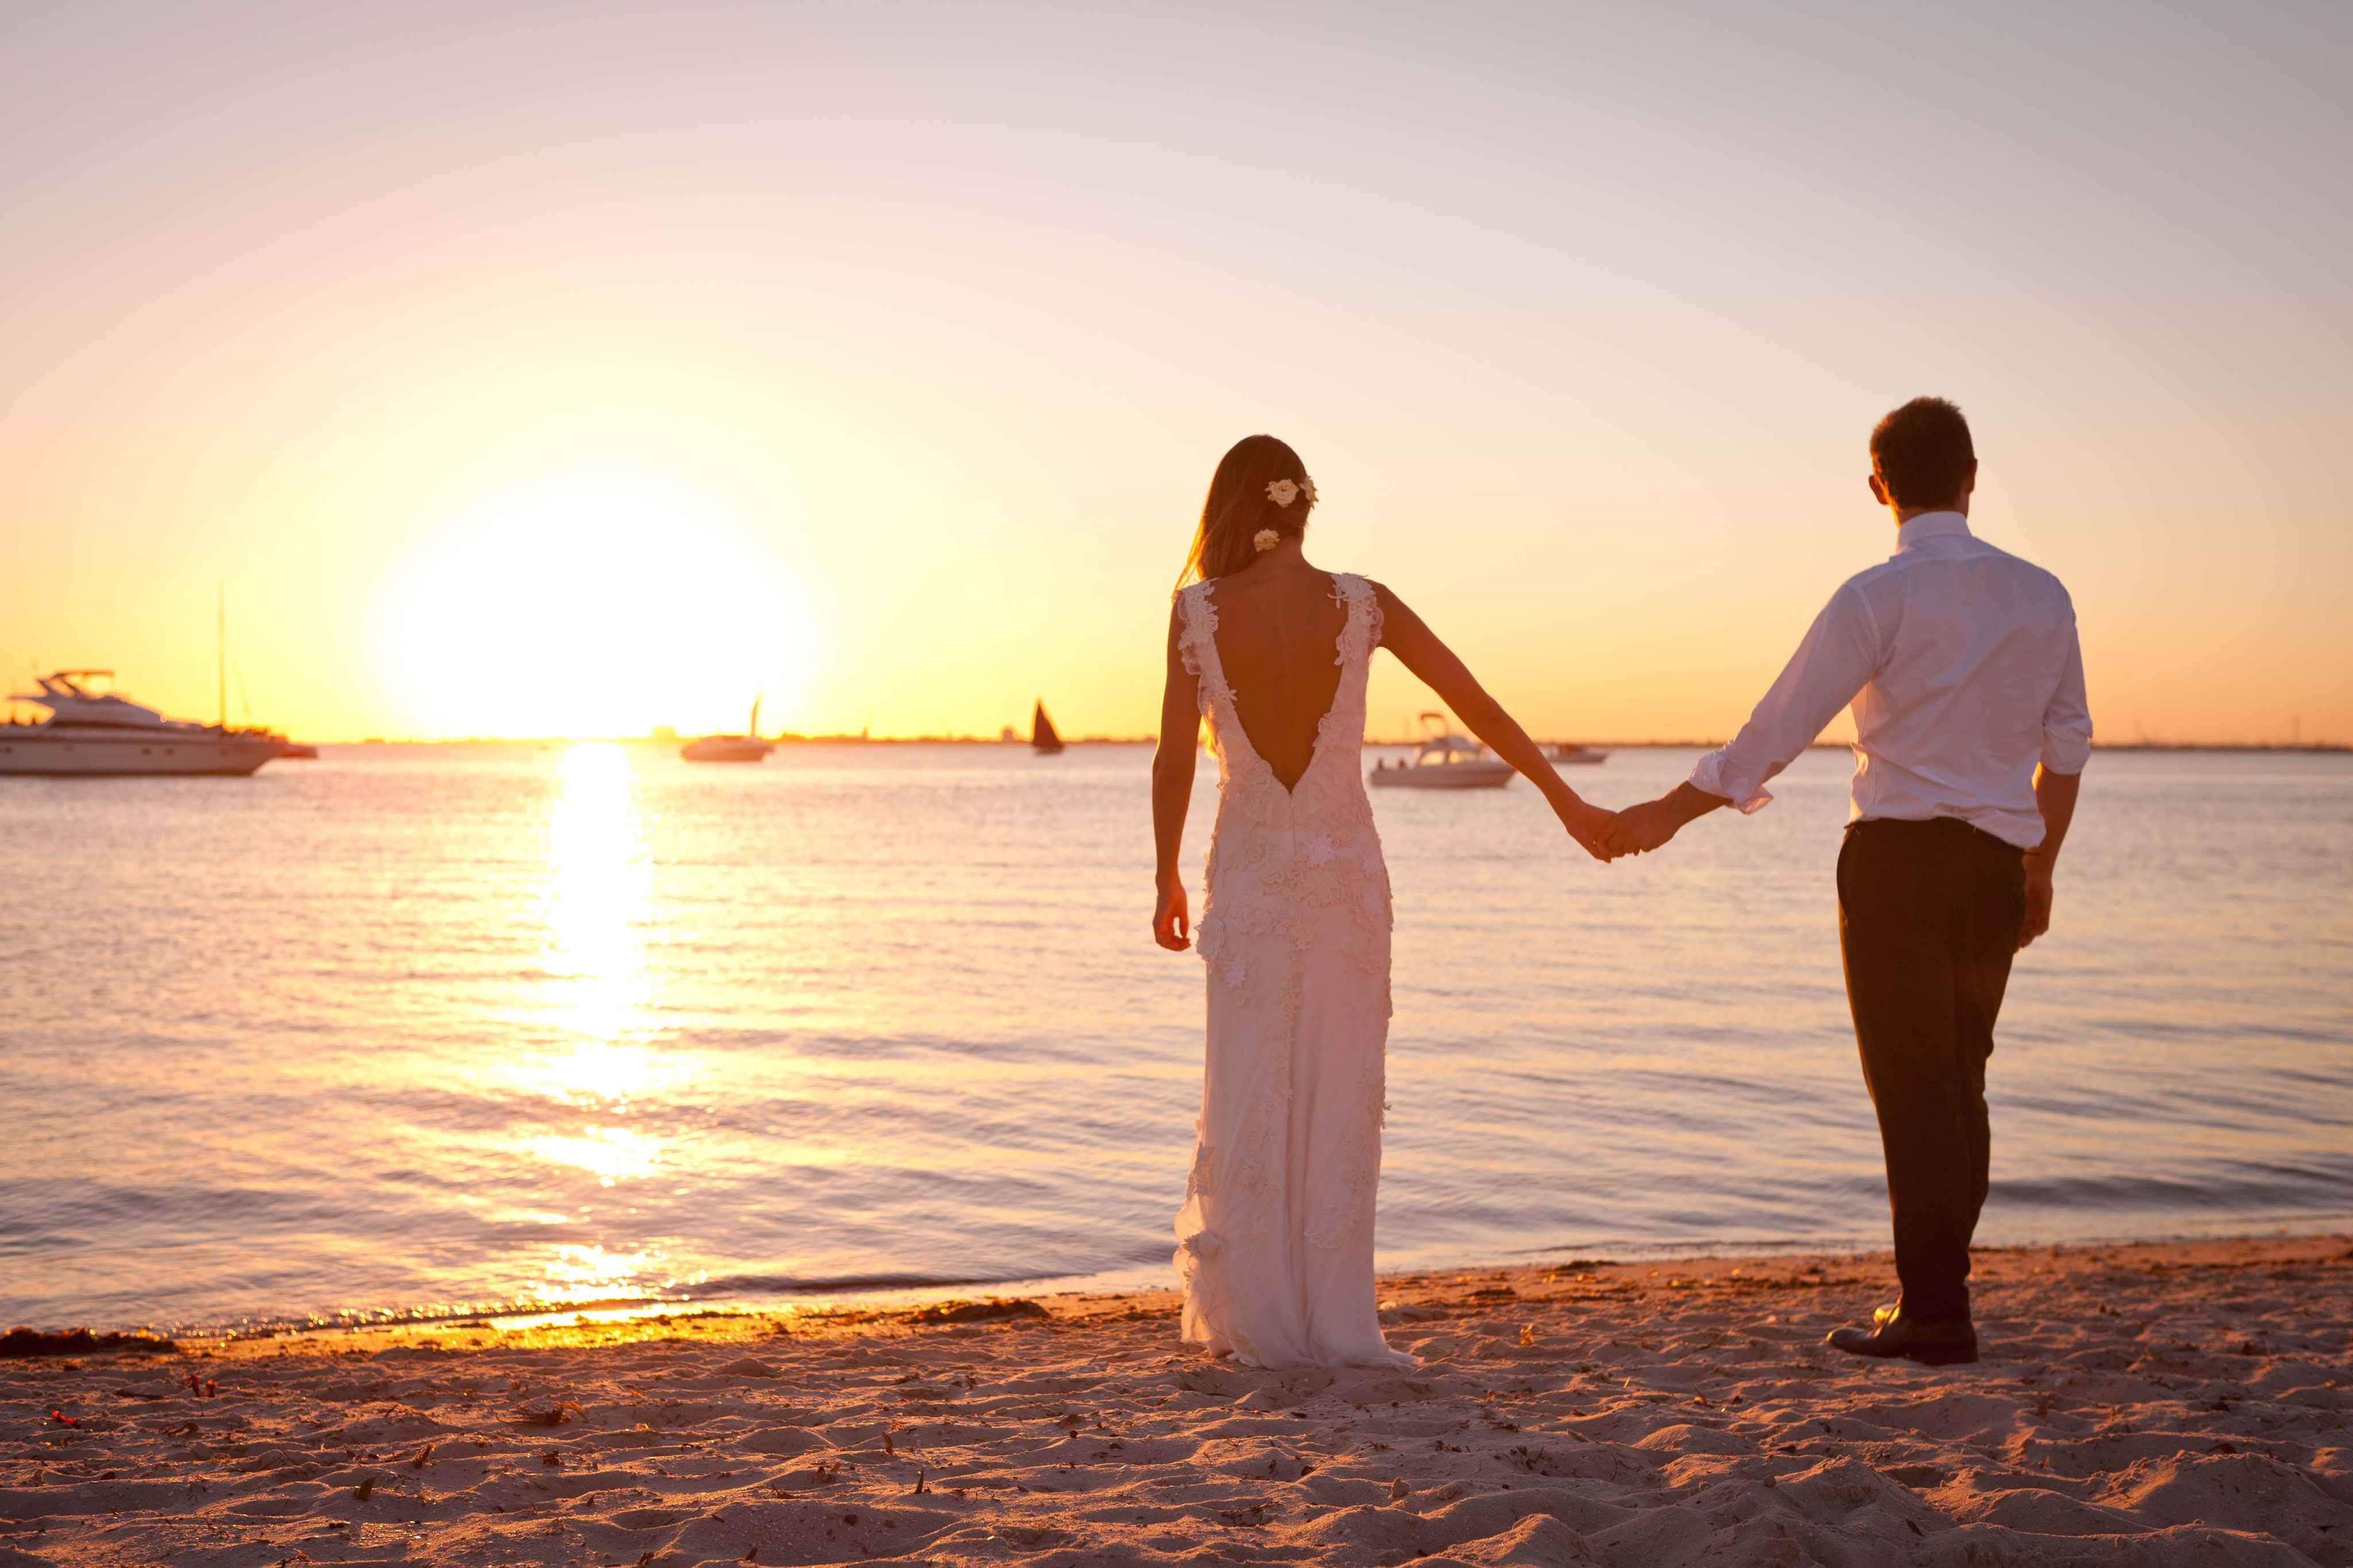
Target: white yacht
[(101, 733), (1445, 761)]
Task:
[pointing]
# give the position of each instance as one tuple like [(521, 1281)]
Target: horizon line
[(953, 739)]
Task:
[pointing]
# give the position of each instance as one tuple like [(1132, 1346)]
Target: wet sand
[(2176, 1403)]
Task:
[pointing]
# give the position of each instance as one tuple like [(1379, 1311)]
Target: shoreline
[(589, 1324), (866, 1299), (2152, 1402)]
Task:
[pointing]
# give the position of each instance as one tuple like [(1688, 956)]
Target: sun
[(598, 613)]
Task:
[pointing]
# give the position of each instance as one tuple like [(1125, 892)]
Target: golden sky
[(537, 370)]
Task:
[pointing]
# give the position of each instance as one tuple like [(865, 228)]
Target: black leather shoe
[(1934, 1344), (1882, 1315)]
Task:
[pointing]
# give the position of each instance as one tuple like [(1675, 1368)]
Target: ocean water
[(416, 1029)]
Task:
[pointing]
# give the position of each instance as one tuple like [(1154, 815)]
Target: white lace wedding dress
[(1275, 1241)]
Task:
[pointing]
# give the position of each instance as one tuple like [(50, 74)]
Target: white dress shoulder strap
[(1363, 633), (1197, 642)]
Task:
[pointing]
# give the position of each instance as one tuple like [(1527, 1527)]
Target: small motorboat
[(745, 748), (1042, 738), (1444, 760), (1569, 753)]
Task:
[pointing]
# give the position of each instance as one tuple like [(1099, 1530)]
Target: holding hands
[(1639, 829), (1586, 824)]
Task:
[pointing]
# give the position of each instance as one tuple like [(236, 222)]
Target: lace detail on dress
[(1275, 1242), (1197, 631)]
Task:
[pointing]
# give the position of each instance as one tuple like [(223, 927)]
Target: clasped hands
[(1610, 834)]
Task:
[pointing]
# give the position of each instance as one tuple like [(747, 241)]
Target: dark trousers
[(1929, 914)]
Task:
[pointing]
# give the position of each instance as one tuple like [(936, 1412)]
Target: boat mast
[(220, 647)]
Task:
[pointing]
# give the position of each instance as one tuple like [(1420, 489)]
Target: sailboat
[(1042, 738), (745, 748)]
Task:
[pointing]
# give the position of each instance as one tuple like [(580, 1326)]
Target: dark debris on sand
[(22, 1342), (995, 1307)]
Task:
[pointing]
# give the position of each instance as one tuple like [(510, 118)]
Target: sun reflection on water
[(599, 892), (596, 908), (611, 1154), (590, 1273)]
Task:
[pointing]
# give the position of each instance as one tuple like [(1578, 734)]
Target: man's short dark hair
[(1922, 453)]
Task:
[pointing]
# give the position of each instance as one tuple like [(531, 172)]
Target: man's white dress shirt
[(1963, 667)]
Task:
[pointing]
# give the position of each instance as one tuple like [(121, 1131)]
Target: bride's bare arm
[(1418, 650), (1172, 794)]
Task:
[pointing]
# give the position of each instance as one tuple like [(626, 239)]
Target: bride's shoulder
[(1191, 611), (1384, 611)]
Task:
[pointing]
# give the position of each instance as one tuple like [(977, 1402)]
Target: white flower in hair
[(1266, 539), (1307, 489), (1282, 492)]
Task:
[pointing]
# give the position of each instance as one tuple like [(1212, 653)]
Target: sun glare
[(599, 613)]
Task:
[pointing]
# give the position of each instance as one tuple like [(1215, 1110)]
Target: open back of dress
[(1284, 670)]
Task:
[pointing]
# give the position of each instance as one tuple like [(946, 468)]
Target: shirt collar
[(1932, 525)]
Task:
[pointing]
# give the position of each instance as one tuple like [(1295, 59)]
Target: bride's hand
[(1172, 928), (1586, 823)]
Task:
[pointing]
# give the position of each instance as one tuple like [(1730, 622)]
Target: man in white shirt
[(1962, 664)]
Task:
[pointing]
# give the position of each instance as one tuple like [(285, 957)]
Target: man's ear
[(1969, 481), (1879, 491)]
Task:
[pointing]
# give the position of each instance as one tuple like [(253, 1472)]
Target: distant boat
[(1577, 756), (745, 748), (1445, 761), (297, 751), (1042, 738), (91, 733)]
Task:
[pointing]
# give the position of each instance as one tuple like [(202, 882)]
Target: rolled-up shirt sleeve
[(2067, 722), (1839, 656)]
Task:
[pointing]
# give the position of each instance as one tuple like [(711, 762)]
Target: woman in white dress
[(1275, 1239)]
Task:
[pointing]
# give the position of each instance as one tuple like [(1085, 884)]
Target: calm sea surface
[(412, 1029)]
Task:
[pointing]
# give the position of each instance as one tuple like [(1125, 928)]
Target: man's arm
[(1841, 652), (2066, 747), (2054, 796), (1641, 828)]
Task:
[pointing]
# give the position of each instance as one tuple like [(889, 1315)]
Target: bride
[(1276, 1240)]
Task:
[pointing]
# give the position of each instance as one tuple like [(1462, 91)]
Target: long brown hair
[(1237, 508)]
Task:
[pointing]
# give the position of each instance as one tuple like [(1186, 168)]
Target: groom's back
[(1958, 660), (1977, 680)]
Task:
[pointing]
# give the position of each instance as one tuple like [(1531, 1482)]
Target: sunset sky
[(570, 370)]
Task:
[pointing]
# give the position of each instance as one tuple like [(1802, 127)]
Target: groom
[(1962, 666)]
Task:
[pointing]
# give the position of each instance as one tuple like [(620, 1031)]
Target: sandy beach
[(2152, 1403)]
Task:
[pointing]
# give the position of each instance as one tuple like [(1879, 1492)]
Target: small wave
[(2215, 1188), (730, 1290), (262, 1325), (818, 1285)]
